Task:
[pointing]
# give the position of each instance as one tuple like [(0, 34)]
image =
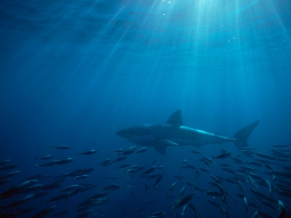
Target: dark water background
[(75, 72)]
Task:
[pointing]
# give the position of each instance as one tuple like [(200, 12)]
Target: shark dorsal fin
[(176, 119)]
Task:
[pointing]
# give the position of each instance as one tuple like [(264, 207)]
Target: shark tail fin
[(242, 135)]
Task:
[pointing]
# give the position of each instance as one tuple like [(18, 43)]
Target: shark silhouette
[(175, 133)]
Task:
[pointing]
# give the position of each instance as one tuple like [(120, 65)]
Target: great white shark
[(175, 133)]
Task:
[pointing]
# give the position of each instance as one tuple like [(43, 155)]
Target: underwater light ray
[(280, 22)]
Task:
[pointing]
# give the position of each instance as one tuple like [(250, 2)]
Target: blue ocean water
[(76, 72)]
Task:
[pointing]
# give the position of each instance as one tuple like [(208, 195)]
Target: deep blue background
[(76, 72)]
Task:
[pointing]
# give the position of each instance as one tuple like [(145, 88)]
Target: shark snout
[(118, 133), (121, 134)]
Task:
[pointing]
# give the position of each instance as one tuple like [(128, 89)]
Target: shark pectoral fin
[(160, 148), (168, 142)]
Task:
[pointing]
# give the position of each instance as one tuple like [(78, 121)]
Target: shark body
[(175, 133)]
